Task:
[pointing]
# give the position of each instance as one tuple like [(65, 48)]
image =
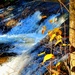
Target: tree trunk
[(72, 36)]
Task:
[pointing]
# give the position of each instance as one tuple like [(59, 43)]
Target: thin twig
[(63, 5), (67, 67)]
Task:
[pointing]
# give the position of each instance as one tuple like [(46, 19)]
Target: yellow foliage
[(47, 57), (52, 37), (58, 64), (51, 21), (43, 29), (60, 32), (41, 53), (58, 37), (58, 41), (50, 32), (55, 34), (57, 30), (43, 16), (64, 44), (54, 31)]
